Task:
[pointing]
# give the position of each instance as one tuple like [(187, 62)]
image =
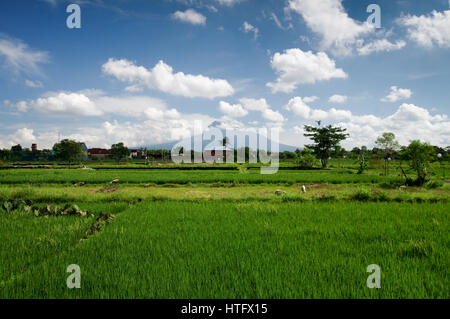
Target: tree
[(326, 140), (389, 145), (362, 162), (119, 151), (4, 154), (68, 149), (16, 148), (420, 155)]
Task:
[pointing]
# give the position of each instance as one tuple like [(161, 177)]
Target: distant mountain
[(189, 143), (170, 145)]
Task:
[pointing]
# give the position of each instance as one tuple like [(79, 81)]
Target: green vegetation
[(119, 151), (172, 233), (420, 156), (68, 149), (326, 140), (389, 146), (46, 176), (241, 250)]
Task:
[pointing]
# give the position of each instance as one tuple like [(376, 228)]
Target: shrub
[(381, 196), (420, 155), (434, 184), (308, 161), (361, 195), (390, 185), (326, 198), (362, 163), (293, 198), (243, 169)]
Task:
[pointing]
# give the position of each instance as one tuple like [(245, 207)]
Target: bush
[(420, 155), (381, 197), (243, 169), (362, 162), (307, 161), (434, 184), (326, 198), (390, 184), (361, 195), (293, 198)]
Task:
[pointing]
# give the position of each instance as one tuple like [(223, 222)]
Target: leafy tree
[(420, 155), (119, 151), (286, 155), (326, 140), (389, 145), (4, 154), (362, 162), (68, 149), (16, 148)]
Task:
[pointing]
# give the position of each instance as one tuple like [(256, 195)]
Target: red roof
[(98, 151)]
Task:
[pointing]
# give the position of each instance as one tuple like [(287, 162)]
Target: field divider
[(70, 248)]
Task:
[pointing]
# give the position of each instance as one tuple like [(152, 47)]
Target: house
[(218, 154), (84, 152), (139, 154), (98, 152)]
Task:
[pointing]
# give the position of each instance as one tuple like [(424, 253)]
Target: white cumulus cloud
[(263, 107), (163, 78), (296, 67), (92, 103), (231, 110), (408, 122), (428, 30), (190, 16), (298, 106), (337, 99), (310, 99), (330, 21), (397, 94)]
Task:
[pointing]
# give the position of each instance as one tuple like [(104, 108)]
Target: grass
[(225, 234), (66, 176), (27, 240), (59, 193), (253, 250)]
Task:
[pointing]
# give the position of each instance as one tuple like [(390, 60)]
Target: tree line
[(325, 145)]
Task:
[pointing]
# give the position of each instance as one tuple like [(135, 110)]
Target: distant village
[(19, 153)]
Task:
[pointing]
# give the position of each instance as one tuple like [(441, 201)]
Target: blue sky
[(143, 72)]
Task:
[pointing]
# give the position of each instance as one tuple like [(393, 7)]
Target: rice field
[(171, 176), (222, 234)]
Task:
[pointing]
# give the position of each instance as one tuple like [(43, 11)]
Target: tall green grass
[(60, 176), (252, 250), (27, 241)]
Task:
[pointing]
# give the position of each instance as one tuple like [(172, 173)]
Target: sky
[(143, 72)]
